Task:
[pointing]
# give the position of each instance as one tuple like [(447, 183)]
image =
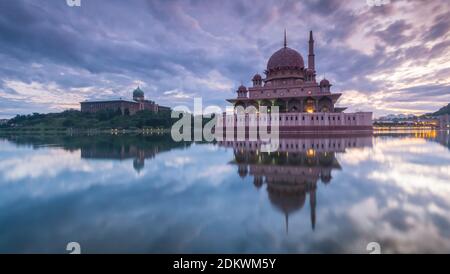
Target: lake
[(148, 194)]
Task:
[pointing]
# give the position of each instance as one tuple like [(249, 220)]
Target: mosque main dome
[(285, 58)]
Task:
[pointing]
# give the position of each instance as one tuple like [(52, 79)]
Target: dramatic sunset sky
[(389, 59)]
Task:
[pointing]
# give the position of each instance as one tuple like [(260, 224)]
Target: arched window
[(309, 107)]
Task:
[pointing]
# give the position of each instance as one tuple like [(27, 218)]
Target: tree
[(68, 123)]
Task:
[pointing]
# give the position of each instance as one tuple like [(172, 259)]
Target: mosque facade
[(303, 102)]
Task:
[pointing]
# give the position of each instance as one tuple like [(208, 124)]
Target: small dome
[(138, 92), (258, 181), (257, 77), (285, 197), (324, 83), (242, 88), (242, 171), (285, 58)]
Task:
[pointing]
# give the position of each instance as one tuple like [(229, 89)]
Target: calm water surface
[(138, 194)]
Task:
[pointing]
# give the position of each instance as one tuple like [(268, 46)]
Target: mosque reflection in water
[(292, 173), (316, 188)]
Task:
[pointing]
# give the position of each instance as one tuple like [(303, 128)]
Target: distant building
[(3, 121), (397, 117), (444, 121), (125, 106)]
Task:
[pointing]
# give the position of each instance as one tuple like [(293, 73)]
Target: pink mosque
[(304, 104)]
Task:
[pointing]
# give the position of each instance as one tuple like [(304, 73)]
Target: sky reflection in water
[(146, 194)]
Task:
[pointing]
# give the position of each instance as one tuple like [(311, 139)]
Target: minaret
[(312, 204), (286, 220), (311, 62), (285, 39)]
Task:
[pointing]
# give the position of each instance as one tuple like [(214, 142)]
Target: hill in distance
[(442, 111)]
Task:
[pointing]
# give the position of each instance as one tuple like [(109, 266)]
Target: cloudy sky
[(393, 58)]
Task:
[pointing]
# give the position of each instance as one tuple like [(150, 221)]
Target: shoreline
[(84, 131)]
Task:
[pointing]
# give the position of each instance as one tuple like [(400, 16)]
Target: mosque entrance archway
[(325, 104), (310, 105), (294, 105)]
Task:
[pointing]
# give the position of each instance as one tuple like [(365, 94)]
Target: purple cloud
[(175, 50)]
